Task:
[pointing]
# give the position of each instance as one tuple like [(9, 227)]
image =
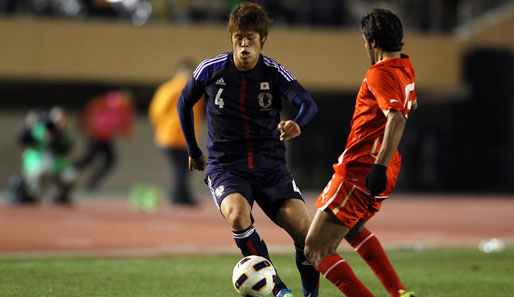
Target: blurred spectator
[(284, 11), (330, 13), (208, 10), (99, 7), (104, 119), (431, 16), (179, 11), (45, 161), (168, 133)]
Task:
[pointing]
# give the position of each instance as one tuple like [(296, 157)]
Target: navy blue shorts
[(269, 188)]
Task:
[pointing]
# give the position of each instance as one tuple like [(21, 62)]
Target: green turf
[(430, 273)]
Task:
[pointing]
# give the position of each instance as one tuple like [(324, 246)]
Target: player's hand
[(376, 180), (197, 163), (288, 130)]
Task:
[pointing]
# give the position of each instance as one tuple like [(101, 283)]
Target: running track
[(106, 226)]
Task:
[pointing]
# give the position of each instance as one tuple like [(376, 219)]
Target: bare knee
[(315, 252), (237, 211), (238, 217)]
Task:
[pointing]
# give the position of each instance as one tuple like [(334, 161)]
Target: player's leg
[(88, 157), (234, 197), (281, 200), (237, 212), (25, 188), (109, 159), (35, 168), (323, 238), (367, 245), (179, 192), (65, 178), (294, 218), (17, 191), (340, 207)]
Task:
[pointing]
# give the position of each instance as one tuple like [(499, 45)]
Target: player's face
[(247, 47), (369, 50)]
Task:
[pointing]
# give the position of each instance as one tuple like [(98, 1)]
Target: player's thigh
[(233, 197), (275, 188), (223, 183), (294, 218), (347, 201), (325, 234)]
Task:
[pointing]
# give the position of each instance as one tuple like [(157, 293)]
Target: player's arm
[(376, 181), (393, 134), (191, 93), (307, 109), (392, 102)]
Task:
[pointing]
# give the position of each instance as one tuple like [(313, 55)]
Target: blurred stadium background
[(460, 141), (457, 182)]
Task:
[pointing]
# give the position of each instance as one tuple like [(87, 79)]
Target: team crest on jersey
[(265, 100), (219, 191)]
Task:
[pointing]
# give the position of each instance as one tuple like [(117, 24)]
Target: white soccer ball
[(253, 276)]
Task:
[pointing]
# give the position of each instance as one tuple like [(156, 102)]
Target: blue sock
[(251, 243), (309, 274)]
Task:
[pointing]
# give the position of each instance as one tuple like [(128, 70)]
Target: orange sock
[(336, 270), (370, 249)]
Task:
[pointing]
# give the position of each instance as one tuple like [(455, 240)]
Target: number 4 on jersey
[(218, 100)]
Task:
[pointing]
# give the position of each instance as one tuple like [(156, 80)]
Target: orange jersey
[(387, 85), (163, 113)]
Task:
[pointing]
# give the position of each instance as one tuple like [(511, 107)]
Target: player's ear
[(263, 39), (373, 44)]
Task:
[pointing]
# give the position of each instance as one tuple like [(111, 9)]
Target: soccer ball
[(254, 276)]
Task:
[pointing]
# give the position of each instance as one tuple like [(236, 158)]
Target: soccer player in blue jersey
[(246, 153)]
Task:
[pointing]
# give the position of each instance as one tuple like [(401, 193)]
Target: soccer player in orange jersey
[(368, 168)]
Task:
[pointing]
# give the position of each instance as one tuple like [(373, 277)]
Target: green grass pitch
[(430, 273)]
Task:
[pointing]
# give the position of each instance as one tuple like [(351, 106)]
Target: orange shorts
[(348, 201)]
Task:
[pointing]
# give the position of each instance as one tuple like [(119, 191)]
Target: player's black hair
[(383, 27), (249, 16)]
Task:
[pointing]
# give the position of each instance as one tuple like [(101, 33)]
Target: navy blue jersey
[(243, 111)]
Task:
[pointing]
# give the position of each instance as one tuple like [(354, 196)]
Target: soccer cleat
[(285, 293), (404, 293)]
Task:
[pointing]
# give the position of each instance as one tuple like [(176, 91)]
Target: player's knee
[(238, 219), (313, 255), (315, 252)]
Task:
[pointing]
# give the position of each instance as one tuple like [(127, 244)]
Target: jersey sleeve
[(386, 88), (293, 92), (191, 94), (307, 108)]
